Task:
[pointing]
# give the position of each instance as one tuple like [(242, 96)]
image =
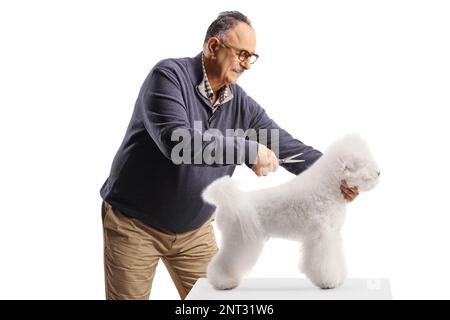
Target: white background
[(70, 72)]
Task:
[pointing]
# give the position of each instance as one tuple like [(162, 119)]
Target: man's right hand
[(266, 161)]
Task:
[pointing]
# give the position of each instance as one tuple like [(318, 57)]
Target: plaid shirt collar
[(204, 87)]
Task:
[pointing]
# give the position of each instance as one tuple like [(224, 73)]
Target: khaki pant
[(132, 250)]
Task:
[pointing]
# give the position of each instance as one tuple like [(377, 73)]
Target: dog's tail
[(232, 206)]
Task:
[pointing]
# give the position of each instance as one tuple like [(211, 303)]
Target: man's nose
[(246, 65)]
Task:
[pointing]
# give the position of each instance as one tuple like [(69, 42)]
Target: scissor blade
[(290, 161), (294, 161), (294, 156)]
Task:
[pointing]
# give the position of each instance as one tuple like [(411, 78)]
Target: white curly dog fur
[(310, 208)]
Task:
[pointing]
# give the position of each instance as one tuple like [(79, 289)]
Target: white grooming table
[(293, 289)]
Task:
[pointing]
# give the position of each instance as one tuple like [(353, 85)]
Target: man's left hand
[(349, 193)]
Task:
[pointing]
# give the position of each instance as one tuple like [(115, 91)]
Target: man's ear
[(213, 45)]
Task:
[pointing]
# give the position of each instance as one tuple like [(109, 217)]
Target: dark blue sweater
[(144, 183)]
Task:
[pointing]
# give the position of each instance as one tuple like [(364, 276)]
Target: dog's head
[(355, 163)]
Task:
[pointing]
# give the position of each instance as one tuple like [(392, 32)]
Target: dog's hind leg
[(323, 260), (234, 259)]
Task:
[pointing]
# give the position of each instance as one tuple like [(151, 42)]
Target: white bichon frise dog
[(310, 208)]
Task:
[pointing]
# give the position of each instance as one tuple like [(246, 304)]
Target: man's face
[(228, 66)]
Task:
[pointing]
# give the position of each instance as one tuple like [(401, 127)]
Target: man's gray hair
[(225, 21)]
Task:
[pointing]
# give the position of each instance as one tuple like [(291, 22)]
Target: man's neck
[(215, 84)]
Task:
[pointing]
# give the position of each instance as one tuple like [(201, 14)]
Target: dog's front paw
[(329, 280), (329, 283)]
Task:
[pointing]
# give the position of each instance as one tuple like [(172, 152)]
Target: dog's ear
[(348, 164)]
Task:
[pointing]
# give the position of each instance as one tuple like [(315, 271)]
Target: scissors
[(291, 159)]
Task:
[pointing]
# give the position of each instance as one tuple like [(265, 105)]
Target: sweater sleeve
[(165, 119), (280, 141)]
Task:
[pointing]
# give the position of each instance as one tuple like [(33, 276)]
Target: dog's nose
[(378, 173)]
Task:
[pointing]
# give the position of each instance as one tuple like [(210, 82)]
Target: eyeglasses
[(242, 54)]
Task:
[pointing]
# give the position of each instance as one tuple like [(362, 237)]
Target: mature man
[(152, 206)]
